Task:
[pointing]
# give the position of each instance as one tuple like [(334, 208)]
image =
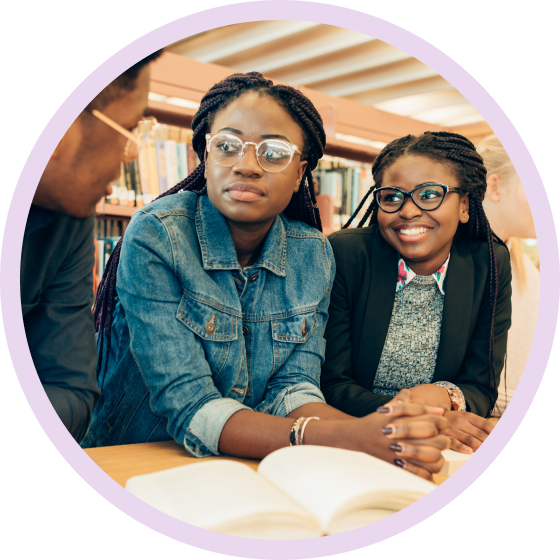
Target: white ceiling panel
[(336, 61)]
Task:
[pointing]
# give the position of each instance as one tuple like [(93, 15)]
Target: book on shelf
[(346, 182), (168, 159), (104, 249), (297, 492)]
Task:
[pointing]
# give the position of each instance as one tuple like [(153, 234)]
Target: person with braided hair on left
[(422, 296), (211, 313)]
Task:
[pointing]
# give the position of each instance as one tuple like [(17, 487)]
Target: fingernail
[(399, 463), (387, 430), (447, 409), (468, 449), (399, 400), (395, 447), (384, 409)]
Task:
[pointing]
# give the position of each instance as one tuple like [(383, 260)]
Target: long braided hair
[(461, 156), (302, 206)]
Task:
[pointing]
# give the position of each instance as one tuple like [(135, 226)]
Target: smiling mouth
[(413, 231)]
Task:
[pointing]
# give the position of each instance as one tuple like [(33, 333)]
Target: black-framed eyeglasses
[(272, 155), (427, 196)]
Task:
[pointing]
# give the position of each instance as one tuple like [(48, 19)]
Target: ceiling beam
[(225, 41), (413, 104), (389, 75), (313, 43), (342, 63), (424, 85), (444, 115)]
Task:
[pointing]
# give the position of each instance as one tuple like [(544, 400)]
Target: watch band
[(456, 396)]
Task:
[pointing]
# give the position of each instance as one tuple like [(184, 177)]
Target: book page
[(224, 496), (330, 482), (453, 460)]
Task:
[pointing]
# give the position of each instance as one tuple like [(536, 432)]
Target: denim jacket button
[(245, 331), (210, 326), (254, 277)]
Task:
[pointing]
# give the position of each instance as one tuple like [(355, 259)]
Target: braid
[(302, 206), (460, 153)]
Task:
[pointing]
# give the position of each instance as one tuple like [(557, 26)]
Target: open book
[(298, 492)]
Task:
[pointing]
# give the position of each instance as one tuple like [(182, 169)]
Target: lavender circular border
[(203, 21)]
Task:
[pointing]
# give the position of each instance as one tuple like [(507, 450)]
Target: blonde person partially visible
[(509, 214)]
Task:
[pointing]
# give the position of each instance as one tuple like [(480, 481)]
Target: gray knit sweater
[(410, 352)]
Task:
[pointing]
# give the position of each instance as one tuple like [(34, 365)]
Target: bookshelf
[(355, 131)]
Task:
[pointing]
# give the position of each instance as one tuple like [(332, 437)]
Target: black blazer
[(360, 311)]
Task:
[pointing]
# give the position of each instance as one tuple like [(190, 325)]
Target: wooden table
[(121, 462)]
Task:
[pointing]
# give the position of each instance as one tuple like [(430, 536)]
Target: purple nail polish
[(383, 409), (399, 463), (387, 430), (395, 447)]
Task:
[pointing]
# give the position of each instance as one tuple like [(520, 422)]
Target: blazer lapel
[(457, 310), (377, 310)]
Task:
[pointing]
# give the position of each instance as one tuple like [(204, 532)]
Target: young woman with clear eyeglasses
[(211, 313)]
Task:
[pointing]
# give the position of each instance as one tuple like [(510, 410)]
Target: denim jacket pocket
[(290, 331), (212, 322), (297, 327)]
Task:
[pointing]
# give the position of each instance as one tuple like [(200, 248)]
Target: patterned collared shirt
[(406, 274)]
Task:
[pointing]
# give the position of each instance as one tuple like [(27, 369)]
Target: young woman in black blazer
[(448, 347)]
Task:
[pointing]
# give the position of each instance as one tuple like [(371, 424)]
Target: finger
[(481, 423), (408, 409), (456, 445), (464, 437), (411, 430), (420, 453), (414, 469), (440, 422), (430, 467), (403, 396), (440, 442)]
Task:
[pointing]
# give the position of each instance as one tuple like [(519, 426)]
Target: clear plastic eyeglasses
[(427, 196), (272, 155), (137, 139)]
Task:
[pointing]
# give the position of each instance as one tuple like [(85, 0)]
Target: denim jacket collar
[(217, 248)]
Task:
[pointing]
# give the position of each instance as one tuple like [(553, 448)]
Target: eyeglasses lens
[(272, 155), (225, 150), (427, 198)]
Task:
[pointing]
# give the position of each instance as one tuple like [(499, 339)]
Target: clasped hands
[(413, 435), (419, 433)]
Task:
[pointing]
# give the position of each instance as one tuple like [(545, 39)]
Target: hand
[(428, 394), (404, 433), (466, 430)]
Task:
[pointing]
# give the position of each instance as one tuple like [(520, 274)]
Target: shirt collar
[(217, 248), (406, 274)]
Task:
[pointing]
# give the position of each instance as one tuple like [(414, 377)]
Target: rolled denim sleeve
[(297, 381), (169, 355)]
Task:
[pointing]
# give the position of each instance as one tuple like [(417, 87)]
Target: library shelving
[(355, 135)]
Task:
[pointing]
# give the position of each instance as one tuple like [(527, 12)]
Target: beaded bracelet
[(294, 430), (297, 429)]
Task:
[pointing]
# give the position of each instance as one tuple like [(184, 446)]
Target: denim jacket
[(196, 337)]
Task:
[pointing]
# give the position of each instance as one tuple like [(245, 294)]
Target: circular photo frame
[(197, 23)]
